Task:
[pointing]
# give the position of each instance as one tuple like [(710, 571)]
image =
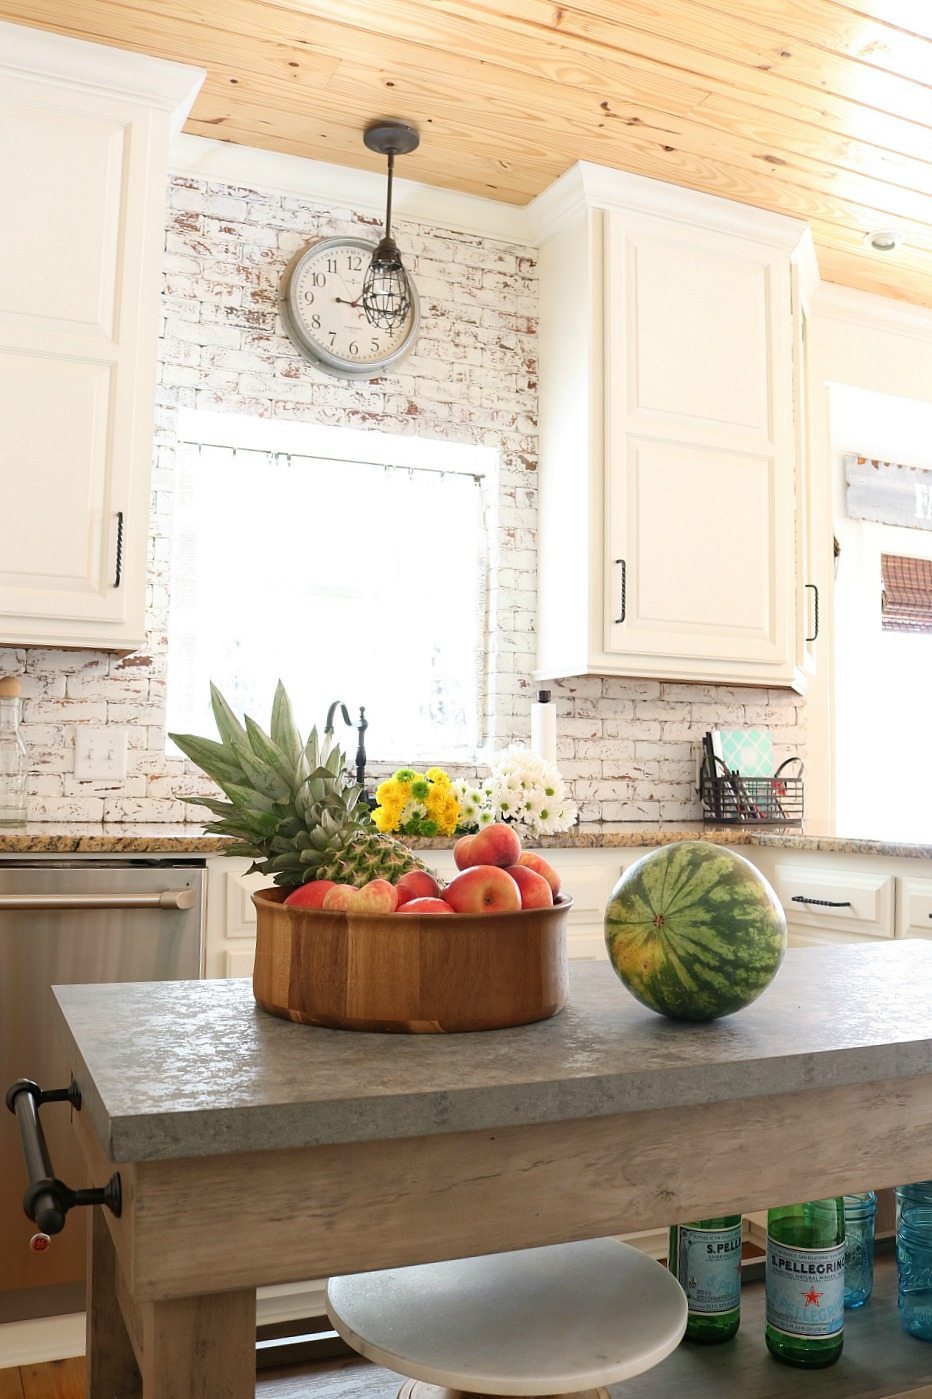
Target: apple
[(425, 905), (309, 895), (460, 855), (541, 866), (378, 896), (497, 844), (417, 884), (535, 891), (483, 889)]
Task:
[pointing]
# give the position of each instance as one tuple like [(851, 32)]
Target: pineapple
[(291, 805)]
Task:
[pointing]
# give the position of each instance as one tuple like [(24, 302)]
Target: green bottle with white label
[(705, 1259), (806, 1282)]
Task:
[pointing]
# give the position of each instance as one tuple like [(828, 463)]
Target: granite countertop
[(176, 1069), (133, 838)]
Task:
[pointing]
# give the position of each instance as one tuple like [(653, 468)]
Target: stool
[(561, 1321)]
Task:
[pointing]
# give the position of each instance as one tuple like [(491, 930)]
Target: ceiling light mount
[(883, 240), (386, 294)]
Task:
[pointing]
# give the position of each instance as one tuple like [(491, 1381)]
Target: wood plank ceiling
[(821, 109)]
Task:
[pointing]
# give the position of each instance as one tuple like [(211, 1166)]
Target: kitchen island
[(253, 1151)]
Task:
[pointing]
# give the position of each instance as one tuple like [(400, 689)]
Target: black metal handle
[(47, 1199), (815, 612), (118, 577), (823, 903), (624, 590)]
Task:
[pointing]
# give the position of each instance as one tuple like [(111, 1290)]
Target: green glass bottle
[(705, 1259), (806, 1282)]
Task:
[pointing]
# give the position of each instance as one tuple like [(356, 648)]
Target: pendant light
[(386, 296)]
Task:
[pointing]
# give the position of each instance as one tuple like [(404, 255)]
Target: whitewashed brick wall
[(628, 748)]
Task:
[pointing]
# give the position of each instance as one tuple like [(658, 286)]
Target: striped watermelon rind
[(694, 931)]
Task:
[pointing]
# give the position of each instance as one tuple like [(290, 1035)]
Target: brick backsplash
[(627, 747)]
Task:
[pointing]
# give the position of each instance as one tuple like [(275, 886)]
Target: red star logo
[(812, 1298)]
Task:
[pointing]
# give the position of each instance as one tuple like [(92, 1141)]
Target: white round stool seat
[(555, 1320)]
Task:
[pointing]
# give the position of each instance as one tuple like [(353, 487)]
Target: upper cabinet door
[(81, 233), (698, 453)]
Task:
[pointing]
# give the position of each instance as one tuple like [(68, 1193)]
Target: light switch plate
[(100, 754)]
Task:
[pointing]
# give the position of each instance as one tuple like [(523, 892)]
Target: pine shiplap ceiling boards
[(820, 109)]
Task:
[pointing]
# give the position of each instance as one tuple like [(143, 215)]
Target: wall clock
[(321, 311)]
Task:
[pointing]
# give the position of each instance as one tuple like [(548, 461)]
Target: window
[(351, 565)]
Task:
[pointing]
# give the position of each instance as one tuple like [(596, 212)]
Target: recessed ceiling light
[(883, 240)]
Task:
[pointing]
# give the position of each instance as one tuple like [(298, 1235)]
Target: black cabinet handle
[(823, 903), (118, 577), (47, 1199), (624, 590), (815, 612)]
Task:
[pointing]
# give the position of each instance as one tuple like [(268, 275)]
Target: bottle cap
[(10, 687), (543, 696)]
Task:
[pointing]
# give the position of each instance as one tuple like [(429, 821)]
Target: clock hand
[(343, 301)]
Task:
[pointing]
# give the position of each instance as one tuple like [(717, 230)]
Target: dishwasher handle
[(47, 1199), (173, 899)]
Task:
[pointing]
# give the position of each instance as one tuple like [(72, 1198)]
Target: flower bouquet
[(523, 790)]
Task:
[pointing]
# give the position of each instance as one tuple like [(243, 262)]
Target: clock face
[(322, 314)]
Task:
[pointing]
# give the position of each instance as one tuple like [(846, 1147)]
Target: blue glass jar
[(860, 1214), (914, 1257)]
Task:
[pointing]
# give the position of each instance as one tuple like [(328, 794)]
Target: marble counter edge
[(616, 836)]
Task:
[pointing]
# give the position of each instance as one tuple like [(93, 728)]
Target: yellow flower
[(438, 776), (383, 819)]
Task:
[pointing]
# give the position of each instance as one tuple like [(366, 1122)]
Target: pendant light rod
[(388, 199)]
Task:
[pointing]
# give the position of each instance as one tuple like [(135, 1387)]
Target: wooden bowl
[(410, 973)]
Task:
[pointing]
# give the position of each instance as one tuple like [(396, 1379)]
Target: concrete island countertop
[(130, 838), (178, 1069)]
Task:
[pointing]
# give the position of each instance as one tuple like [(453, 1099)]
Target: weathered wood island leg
[(200, 1347), (112, 1372)]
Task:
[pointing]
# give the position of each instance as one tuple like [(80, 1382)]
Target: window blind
[(907, 593)]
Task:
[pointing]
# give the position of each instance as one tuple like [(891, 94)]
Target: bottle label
[(709, 1268), (805, 1290)]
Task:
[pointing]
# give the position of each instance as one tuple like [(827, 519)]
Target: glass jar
[(914, 1257), (860, 1214), (13, 763)]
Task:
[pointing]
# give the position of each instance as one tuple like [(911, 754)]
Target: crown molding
[(590, 186), (867, 310), (39, 55), (362, 190)]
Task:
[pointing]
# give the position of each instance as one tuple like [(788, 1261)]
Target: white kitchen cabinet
[(914, 908), (670, 441), (84, 133)]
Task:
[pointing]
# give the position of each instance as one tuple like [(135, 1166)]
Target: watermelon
[(695, 931)]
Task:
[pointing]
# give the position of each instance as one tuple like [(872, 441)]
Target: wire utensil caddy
[(731, 800)]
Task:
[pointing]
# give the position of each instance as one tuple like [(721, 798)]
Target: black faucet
[(361, 744)]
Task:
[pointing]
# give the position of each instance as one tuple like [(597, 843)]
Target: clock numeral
[(354, 262), (353, 348), (308, 296), (374, 346), (318, 279), (332, 335), (315, 322), (331, 264)]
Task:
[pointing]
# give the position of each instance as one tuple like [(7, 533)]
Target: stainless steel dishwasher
[(65, 921)]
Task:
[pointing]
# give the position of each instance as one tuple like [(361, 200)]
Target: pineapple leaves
[(285, 734), (215, 759), (228, 726), (268, 753)]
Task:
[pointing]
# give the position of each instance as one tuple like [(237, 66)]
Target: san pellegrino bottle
[(705, 1259), (806, 1282)]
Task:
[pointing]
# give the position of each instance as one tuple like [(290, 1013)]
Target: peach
[(378, 896), (541, 866), (417, 884), (311, 894), (497, 844), (460, 852), (483, 889), (425, 905), (535, 891)]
